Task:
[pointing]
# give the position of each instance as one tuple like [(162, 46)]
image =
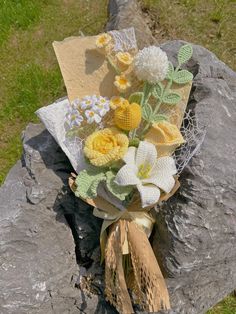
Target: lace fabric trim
[(124, 40), (194, 133)]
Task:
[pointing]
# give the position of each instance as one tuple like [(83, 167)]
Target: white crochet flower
[(151, 65), (102, 106), (149, 173), (74, 118), (75, 103), (92, 116), (87, 102)]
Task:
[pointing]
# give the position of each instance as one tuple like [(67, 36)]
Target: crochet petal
[(162, 174), (162, 180), (164, 165), (146, 154), (150, 194), (127, 176), (129, 157)]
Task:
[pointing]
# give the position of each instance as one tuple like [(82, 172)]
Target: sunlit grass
[(208, 23), (227, 306), (18, 14), (30, 76)]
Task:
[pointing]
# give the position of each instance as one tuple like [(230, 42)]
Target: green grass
[(19, 14), (227, 306), (30, 76), (210, 23)]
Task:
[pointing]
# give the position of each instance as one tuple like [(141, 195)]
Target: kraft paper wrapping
[(147, 281), (85, 71)]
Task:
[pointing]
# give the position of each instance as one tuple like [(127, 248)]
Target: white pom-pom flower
[(151, 65), (149, 174)]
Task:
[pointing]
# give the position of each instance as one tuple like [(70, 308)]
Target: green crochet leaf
[(147, 112), (87, 182), (159, 117), (158, 91), (136, 97), (134, 142), (171, 98), (72, 133), (170, 71), (121, 192), (182, 77), (185, 53), (80, 131)]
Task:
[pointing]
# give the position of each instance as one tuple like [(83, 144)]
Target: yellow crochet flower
[(165, 136), (124, 60), (103, 40), (117, 101), (128, 116), (105, 146), (122, 83)]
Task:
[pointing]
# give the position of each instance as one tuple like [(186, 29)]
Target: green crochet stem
[(147, 90), (113, 65), (133, 133)]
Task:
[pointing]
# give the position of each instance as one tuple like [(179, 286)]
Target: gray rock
[(125, 14), (38, 271), (36, 242), (196, 228)]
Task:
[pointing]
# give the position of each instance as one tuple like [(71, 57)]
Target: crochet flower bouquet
[(120, 128)]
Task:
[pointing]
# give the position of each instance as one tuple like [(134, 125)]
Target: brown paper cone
[(148, 284), (85, 71)]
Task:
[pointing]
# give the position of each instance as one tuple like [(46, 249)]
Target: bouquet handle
[(148, 284)]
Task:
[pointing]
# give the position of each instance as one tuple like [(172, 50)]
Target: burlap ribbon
[(128, 241)]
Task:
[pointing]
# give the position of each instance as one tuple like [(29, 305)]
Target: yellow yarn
[(117, 101), (103, 40), (105, 146), (124, 60), (122, 83), (128, 116), (165, 136)]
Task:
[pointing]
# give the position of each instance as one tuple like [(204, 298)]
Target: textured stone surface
[(38, 269), (196, 229), (126, 13), (194, 238), (36, 242)]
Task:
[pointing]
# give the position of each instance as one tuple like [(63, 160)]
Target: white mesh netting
[(124, 39), (194, 134)]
